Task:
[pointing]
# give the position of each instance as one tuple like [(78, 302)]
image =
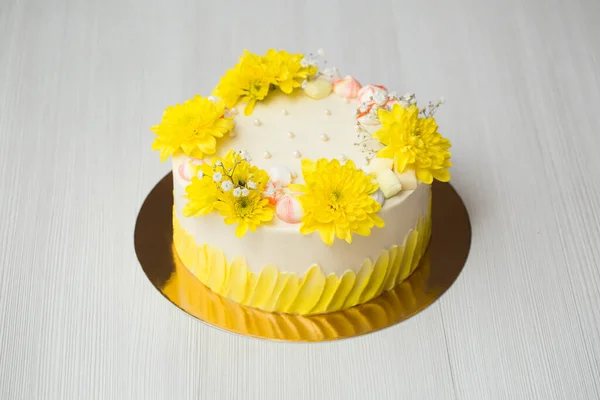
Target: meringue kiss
[(347, 87)]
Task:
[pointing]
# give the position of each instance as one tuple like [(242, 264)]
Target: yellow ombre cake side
[(311, 293)]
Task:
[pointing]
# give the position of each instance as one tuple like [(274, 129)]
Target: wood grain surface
[(81, 82)]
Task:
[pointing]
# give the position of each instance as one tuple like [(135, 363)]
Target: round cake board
[(437, 271)]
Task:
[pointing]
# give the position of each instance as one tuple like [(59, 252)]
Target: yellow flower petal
[(424, 175), (400, 162), (327, 234), (385, 117), (241, 229), (295, 187), (249, 107), (442, 175)]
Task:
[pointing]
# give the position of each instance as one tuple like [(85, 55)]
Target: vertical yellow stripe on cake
[(310, 291), (408, 257), (377, 277), (218, 266), (264, 286), (390, 280), (250, 285), (238, 280), (332, 284), (279, 287), (362, 279), (421, 244), (233, 273), (288, 294), (344, 288)]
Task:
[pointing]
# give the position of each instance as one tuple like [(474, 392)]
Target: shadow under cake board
[(438, 269)]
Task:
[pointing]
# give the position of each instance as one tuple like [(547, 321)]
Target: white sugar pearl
[(285, 112), (297, 154), (257, 122), (266, 154), (324, 137), (291, 135), (327, 112), (346, 100), (294, 175), (342, 158), (234, 111)]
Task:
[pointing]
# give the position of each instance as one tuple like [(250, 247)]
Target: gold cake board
[(438, 269)]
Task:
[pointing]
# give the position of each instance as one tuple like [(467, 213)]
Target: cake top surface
[(284, 129), (282, 140)]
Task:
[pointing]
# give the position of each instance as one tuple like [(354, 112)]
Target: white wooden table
[(81, 82)]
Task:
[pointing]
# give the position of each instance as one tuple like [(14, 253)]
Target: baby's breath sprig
[(318, 59), (241, 188), (430, 110), (364, 138)]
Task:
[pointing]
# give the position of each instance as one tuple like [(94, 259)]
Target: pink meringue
[(347, 87), (186, 169), (370, 93), (289, 210)]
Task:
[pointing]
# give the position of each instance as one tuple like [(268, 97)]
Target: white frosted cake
[(298, 191)]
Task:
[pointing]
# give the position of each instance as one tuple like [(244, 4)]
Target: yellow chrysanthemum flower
[(287, 70), (414, 143), (234, 188), (247, 81), (192, 127), (252, 78), (336, 200), (202, 194), (248, 212)]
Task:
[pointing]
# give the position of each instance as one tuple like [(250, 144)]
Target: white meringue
[(281, 175)]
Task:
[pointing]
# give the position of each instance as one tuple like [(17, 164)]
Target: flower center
[(334, 199), (256, 89), (243, 207)]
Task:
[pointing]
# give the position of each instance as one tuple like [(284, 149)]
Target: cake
[(300, 191)]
